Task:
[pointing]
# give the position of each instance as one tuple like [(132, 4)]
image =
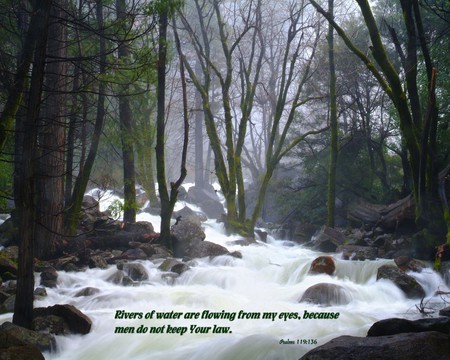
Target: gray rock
[(44, 342), (327, 239), (397, 326), (407, 346), (406, 283), (356, 252), (12, 348), (326, 294), (77, 322), (49, 277), (135, 271)]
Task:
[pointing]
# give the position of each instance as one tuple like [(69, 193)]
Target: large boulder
[(187, 234), (323, 265), (326, 294), (187, 213), (397, 326), (406, 283), (44, 342), (77, 322), (357, 252), (406, 346), (12, 348), (135, 271), (326, 239), (205, 249), (207, 200), (302, 232), (49, 277)]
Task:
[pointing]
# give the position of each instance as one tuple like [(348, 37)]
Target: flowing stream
[(270, 278)]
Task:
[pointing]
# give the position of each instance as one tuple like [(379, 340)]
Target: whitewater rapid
[(269, 278)]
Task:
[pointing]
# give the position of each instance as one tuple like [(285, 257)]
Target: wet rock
[(44, 342), (77, 322), (323, 265), (397, 326), (186, 231), (406, 263), (134, 254), (326, 239), (205, 249), (51, 324), (207, 200), (140, 227), (303, 232), (406, 283), (187, 213), (326, 294), (188, 235), (445, 311), (8, 305), (406, 346), (8, 268), (90, 205), (357, 252), (97, 261), (261, 235), (173, 265), (11, 252), (12, 348), (49, 277), (135, 271), (148, 249), (116, 278), (236, 254), (161, 252), (243, 242), (68, 263), (87, 291), (40, 292)]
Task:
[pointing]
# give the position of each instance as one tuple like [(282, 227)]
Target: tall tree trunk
[(81, 182), (199, 163), (126, 132), (168, 200), (52, 138), (333, 123), (26, 200)]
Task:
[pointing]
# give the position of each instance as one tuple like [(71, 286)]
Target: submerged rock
[(326, 294), (406, 283), (357, 252), (323, 265)]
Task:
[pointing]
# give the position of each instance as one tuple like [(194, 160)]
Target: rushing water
[(270, 278)]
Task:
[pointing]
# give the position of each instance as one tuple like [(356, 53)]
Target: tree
[(235, 38), (418, 123), (333, 122), (26, 202), (52, 138), (168, 200), (126, 125)]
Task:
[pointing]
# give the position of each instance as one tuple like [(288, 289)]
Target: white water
[(269, 278)]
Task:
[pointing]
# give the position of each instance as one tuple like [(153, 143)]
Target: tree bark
[(126, 131), (333, 123), (26, 201), (52, 138), (81, 182)]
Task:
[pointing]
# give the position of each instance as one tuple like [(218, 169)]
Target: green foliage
[(116, 208)]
